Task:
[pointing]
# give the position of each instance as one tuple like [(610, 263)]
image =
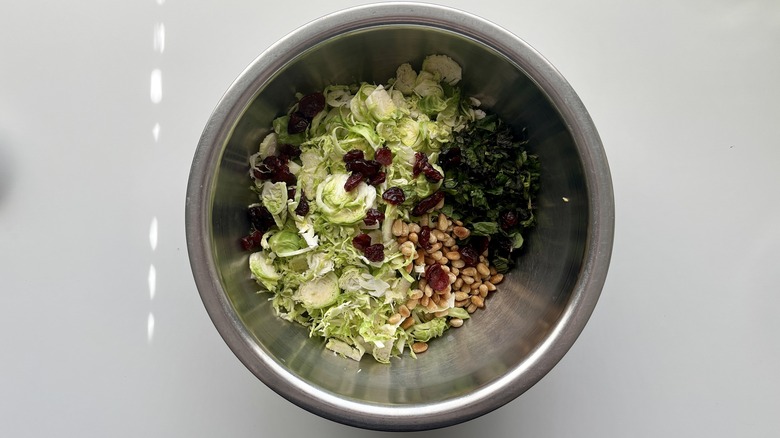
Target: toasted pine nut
[(456, 322), (412, 303), (407, 249), (455, 271), (439, 205), (425, 300), (397, 227), (496, 279), (452, 277), (458, 283), (470, 271), (461, 232), (413, 237), (416, 294), (478, 301), (493, 271), (414, 228), (483, 270), (395, 319), (462, 303), (458, 264), (466, 279), (442, 223), (404, 311), (460, 296), (490, 286), (419, 347), (441, 313), (483, 289), (453, 255), (408, 322), (471, 308)]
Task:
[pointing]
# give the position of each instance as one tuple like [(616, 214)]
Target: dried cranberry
[(469, 255), (368, 168), (450, 158), (260, 218), (384, 156), (289, 150), (431, 173), (267, 167), (507, 220), (361, 242), (290, 192), (437, 277), (353, 181), (252, 240), (424, 239), (354, 154), (297, 123), (420, 160), (427, 203), (303, 206), (373, 216), (375, 253), (377, 179), (394, 196), (284, 175), (311, 104)]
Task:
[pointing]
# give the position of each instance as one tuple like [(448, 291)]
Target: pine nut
[(453, 255), (471, 308), (395, 319), (478, 301), (452, 277), (461, 232), (493, 271), (404, 311), (425, 300), (483, 289), (413, 237), (470, 271), (456, 322), (416, 294), (496, 279), (414, 228), (407, 249), (483, 270), (397, 227), (441, 313), (462, 303), (466, 279), (458, 283), (455, 271), (442, 222), (419, 347), (458, 264), (460, 296), (490, 286), (408, 322), (411, 304)]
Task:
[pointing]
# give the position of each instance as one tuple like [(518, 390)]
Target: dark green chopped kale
[(493, 187)]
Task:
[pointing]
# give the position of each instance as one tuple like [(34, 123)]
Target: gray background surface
[(103, 332)]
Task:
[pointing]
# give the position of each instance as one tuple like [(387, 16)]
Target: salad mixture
[(387, 214)]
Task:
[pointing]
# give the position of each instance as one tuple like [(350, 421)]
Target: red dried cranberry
[(373, 216), (303, 206), (420, 160), (297, 123), (469, 255), (384, 156), (427, 203), (361, 242), (260, 218), (437, 277), (353, 181), (251, 241), (507, 220), (368, 168), (375, 252), (311, 104), (289, 151), (424, 239), (377, 179), (284, 175), (354, 154), (431, 173), (394, 196)]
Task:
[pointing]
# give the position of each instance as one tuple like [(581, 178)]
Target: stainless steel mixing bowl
[(540, 309)]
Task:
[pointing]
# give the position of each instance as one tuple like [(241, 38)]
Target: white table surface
[(103, 332)]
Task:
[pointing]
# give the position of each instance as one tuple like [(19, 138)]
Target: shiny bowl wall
[(540, 308)]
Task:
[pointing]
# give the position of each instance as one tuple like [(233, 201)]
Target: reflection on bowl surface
[(543, 303)]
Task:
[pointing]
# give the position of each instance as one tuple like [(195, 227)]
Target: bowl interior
[(528, 305)]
